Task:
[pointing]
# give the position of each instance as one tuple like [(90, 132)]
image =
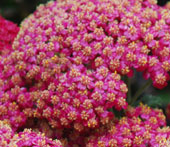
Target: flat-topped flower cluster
[(8, 32), (141, 127), (26, 138), (66, 65)]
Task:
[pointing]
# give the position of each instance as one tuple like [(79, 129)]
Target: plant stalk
[(129, 89), (140, 91)]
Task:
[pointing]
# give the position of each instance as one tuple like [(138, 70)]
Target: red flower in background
[(8, 32)]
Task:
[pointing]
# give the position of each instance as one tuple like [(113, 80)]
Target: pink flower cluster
[(8, 32), (26, 138), (64, 72), (119, 35), (65, 59), (140, 128), (6, 134)]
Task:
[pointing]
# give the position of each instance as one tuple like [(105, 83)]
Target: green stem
[(140, 91), (129, 89)]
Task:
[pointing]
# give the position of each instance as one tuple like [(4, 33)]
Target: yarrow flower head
[(6, 133), (29, 138), (141, 126), (8, 32), (68, 58), (26, 138)]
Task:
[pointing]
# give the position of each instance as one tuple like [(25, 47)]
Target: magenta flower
[(26, 138), (141, 126), (8, 32), (66, 64)]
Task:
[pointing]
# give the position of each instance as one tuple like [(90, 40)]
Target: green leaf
[(152, 101), (117, 113)]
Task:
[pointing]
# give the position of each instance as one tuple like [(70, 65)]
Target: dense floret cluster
[(6, 133), (141, 127), (8, 32), (26, 138), (117, 35), (65, 59), (62, 75)]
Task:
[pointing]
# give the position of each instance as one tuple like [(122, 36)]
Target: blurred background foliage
[(17, 10)]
